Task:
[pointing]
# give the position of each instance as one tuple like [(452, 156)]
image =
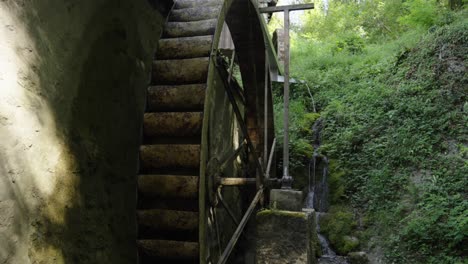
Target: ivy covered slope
[(396, 129)]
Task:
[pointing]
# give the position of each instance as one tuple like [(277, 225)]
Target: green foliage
[(300, 123), (421, 13), (371, 19), (353, 45), (440, 224), (336, 183), (409, 118), (394, 107)]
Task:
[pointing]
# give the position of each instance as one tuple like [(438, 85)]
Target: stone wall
[(72, 83)]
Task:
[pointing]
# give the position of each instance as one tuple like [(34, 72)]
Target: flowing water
[(317, 197)]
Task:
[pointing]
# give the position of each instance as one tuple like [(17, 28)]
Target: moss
[(339, 226), (308, 121), (336, 182), (265, 213), (317, 248)]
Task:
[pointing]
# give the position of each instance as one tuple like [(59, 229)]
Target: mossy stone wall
[(73, 76)]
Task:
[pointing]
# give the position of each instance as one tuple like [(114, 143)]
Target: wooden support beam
[(230, 246), (231, 181), (273, 9), (287, 179)]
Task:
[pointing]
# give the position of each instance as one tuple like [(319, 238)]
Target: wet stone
[(332, 260), (285, 199)]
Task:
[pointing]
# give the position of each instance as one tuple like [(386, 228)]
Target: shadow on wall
[(72, 87)]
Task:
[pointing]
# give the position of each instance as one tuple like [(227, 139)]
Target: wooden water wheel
[(201, 126)]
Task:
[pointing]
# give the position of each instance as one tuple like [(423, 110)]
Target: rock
[(359, 257)]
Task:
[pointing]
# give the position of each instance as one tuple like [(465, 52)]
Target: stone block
[(286, 199), (285, 237)]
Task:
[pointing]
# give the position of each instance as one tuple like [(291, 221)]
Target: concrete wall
[(72, 82)]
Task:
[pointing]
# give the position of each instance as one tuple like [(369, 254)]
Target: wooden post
[(265, 116), (286, 181)]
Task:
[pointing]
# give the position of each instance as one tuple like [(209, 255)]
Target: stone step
[(190, 29), (194, 13), (167, 220), (173, 124), (153, 157), (185, 47), (194, 3), (168, 186), (183, 71), (168, 249), (189, 97)]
